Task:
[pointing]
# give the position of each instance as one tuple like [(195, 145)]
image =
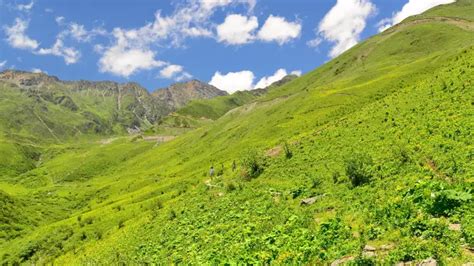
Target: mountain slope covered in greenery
[(367, 158)]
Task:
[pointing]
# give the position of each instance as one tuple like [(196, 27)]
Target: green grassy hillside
[(216, 107), (201, 112), (380, 139)]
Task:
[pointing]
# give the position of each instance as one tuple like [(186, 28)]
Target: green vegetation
[(380, 138), (217, 107)]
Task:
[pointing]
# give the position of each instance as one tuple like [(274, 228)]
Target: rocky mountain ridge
[(103, 104)]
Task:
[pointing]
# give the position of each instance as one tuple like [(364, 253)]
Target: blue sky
[(233, 44)]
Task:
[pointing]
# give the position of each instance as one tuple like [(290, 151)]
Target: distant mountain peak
[(24, 78), (179, 94)]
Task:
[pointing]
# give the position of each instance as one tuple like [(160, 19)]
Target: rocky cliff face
[(179, 94)]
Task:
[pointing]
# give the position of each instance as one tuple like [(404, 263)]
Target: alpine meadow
[(366, 160)]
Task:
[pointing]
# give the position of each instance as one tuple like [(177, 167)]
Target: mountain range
[(102, 107)]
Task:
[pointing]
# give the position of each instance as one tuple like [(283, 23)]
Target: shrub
[(159, 204), (172, 215), (288, 152), (121, 223), (252, 164), (468, 230), (446, 202), (359, 169), (335, 177), (231, 187)]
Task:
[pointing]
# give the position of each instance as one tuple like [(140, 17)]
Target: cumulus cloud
[(210, 4), (237, 29), (244, 80), (413, 7), (175, 71), (170, 71), (123, 61), (60, 20), (37, 70), (69, 54), (79, 33), (233, 81), (296, 72), (279, 30), (344, 23), (25, 7), (267, 81), (17, 38), (188, 21), (278, 75)]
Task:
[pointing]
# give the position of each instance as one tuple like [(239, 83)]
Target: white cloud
[(279, 30), (237, 29), (25, 7), (344, 23), (413, 7), (170, 71), (3, 63), (80, 34), (124, 62), (133, 49), (211, 4), (197, 32), (314, 42), (128, 55), (183, 76), (48, 10), (17, 37), (37, 70), (233, 81), (243, 80), (267, 81), (296, 72), (59, 20), (69, 54)]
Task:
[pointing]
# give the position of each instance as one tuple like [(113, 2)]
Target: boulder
[(386, 247), (455, 227), (428, 262), (342, 260), (308, 201), (369, 248)]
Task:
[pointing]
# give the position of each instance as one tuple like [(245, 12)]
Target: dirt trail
[(160, 138)]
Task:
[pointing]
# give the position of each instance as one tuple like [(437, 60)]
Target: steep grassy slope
[(381, 136)]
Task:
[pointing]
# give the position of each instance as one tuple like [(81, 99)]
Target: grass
[(402, 99)]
